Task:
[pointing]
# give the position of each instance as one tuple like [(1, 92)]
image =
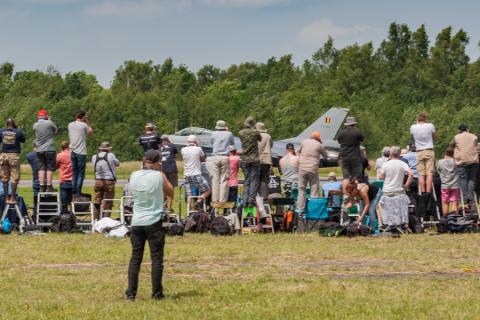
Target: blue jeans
[(36, 189), (372, 209), (467, 173), (79, 162), (251, 184), (65, 194)]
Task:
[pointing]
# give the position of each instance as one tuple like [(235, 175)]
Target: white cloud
[(245, 3), (318, 31), (126, 8)]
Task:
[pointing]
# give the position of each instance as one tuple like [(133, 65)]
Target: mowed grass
[(284, 276)]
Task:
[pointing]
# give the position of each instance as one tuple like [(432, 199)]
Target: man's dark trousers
[(155, 235)]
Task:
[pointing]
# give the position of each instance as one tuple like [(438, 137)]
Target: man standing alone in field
[(423, 133), (149, 188), (77, 133)]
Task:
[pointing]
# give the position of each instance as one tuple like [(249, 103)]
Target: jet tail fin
[(328, 124)]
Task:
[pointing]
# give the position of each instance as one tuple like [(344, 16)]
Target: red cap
[(42, 114)]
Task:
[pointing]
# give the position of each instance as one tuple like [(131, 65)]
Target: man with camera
[(77, 133), (149, 188)]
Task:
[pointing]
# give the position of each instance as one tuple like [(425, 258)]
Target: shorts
[(47, 160), (197, 181), (10, 167), (352, 169), (172, 178), (450, 195), (425, 162)]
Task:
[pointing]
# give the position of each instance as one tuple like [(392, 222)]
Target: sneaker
[(50, 189), (130, 298), (158, 297)]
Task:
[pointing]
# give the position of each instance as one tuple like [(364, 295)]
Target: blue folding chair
[(316, 211)]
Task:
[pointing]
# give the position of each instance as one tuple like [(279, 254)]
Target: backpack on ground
[(355, 229), (220, 226), (197, 222), (111, 228), (415, 224), (330, 229), (457, 224), (175, 229), (66, 222)]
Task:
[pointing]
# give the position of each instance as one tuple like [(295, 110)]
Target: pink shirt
[(234, 165), (64, 165)]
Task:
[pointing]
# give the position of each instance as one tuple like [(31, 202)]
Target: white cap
[(192, 139)]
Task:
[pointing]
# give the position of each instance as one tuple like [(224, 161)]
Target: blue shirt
[(11, 139), (411, 157), (221, 140), (147, 190), (333, 185)]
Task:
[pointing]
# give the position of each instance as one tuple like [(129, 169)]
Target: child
[(450, 188)]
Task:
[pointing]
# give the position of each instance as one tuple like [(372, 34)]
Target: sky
[(97, 36)]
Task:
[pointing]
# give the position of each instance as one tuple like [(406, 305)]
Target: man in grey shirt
[(77, 133), (45, 131), (222, 139), (104, 165)]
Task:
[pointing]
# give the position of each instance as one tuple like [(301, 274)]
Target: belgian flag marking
[(328, 120)]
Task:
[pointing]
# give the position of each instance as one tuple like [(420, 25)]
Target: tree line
[(384, 88)]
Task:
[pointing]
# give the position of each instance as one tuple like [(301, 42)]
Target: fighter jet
[(328, 125)]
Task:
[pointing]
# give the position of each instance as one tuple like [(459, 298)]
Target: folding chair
[(116, 203), (351, 213), (125, 217), (316, 211)]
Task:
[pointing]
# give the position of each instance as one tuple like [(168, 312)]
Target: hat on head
[(315, 135), (221, 125), (332, 174), (152, 156), (192, 139), (249, 122), (350, 121), (463, 127), (105, 146), (42, 114), (260, 126)]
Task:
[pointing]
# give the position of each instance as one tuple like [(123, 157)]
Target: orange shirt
[(64, 165)]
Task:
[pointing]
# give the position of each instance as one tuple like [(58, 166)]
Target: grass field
[(302, 276)]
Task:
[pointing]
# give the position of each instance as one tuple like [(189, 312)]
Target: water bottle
[(6, 226)]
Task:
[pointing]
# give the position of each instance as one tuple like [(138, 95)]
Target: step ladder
[(115, 203), (48, 206), (83, 212), (124, 216), (14, 206)]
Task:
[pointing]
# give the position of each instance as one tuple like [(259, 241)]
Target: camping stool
[(189, 201), (114, 202), (123, 214), (48, 206), (81, 210), (226, 206)]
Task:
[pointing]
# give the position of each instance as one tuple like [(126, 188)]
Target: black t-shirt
[(169, 164), (150, 141), (274, 185), (372, 191), (350, 139), (11, 139)]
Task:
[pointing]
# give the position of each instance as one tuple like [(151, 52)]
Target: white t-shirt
[(395, 171), (422, 133), (191, 155)]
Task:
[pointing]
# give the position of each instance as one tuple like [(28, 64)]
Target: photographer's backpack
[(220, 227)]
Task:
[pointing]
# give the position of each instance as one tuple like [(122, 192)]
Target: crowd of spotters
[(403, 172)]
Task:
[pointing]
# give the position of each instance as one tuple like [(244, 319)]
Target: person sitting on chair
[(332, 185), (394, 200)]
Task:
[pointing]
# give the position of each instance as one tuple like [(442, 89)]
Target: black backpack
[(330, 229), (415, 224), (66, 222), (220, 227), (197, 222), (354, 229), (175, 229)]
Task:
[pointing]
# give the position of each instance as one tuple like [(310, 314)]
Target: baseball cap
[(42, 114)]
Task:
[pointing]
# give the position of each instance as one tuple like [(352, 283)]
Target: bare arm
[(409, 179), (167, 187)]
